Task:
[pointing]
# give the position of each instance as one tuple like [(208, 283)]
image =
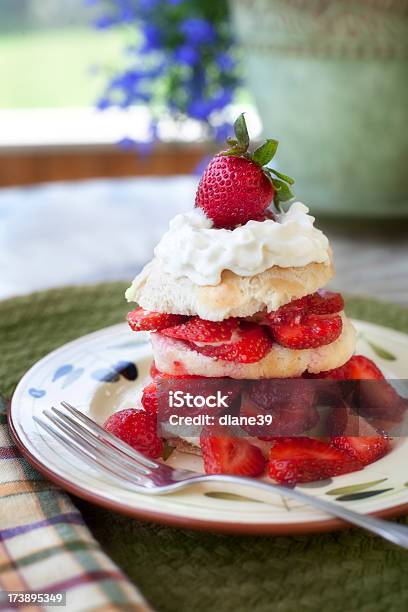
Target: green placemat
[(180, 570)]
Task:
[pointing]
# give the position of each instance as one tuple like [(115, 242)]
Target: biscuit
[(176, 357), (235, 296)]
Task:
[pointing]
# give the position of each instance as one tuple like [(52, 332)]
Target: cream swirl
[(193, 248)]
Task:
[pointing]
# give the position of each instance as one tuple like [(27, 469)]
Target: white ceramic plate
[(105, 371)]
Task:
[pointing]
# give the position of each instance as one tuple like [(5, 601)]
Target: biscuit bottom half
[(176, 357)]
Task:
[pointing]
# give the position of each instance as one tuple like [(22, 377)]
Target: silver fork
[(98, 448)]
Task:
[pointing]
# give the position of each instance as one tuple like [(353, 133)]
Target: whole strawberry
[(138, 428), (237, 186)]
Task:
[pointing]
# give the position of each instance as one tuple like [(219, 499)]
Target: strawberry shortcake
[(235, 292)]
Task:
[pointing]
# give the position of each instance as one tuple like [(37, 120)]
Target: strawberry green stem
[(262, 156)]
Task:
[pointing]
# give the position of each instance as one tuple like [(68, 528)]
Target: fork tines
[(97, 447)]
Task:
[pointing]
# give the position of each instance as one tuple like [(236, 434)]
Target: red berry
[(149, 398), (325, 302), (294, 460), (356, 368), (302, 323), (268, 214), (138, 429), (290, 401), (224, 454), (277, 392), (288, 419), (379, 400), (365, 449), (343, 421), (307, 331), (154, 372), (294, 419), (233, 190), (252, 345), (200, 330), (359, 438), (146, 320), (374, 397), (319, 303), (362, 368)]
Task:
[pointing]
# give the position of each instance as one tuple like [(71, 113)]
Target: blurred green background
[(49, 54), (34, 65)]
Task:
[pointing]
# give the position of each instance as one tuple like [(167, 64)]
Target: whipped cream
[(193, 248)]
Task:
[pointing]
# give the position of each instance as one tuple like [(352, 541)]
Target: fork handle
[(398, 534)]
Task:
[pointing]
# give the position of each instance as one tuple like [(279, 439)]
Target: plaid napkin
[(45, 545)]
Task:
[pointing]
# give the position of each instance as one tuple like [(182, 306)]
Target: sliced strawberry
[(276, 392), (138, 429), (255, 425), (325, 302), (319, 303), (290, 401), (154, 371), (356, 368), (200, 330), (344, 421), (379, 400), (306, 460), (307, 331), (294, 419), (327, 392), (224, 454), (146, 320), (308, 322), (287, 419), (359, 367), (365, 449), (252, 345), (374, 397), (149, 398)]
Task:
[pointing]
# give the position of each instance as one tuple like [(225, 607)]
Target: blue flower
[(225, 62), (148, 5), (127, 15), (186, 54), (190, 50), (132, 96), (152, 38), (200, 109), (139, 96), (127, 144), (103, 104), (197, 30), (104, 22), (223, 98), (127, 80), (131, 77)]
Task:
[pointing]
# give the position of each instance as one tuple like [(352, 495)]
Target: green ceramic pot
[(329, 78)]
